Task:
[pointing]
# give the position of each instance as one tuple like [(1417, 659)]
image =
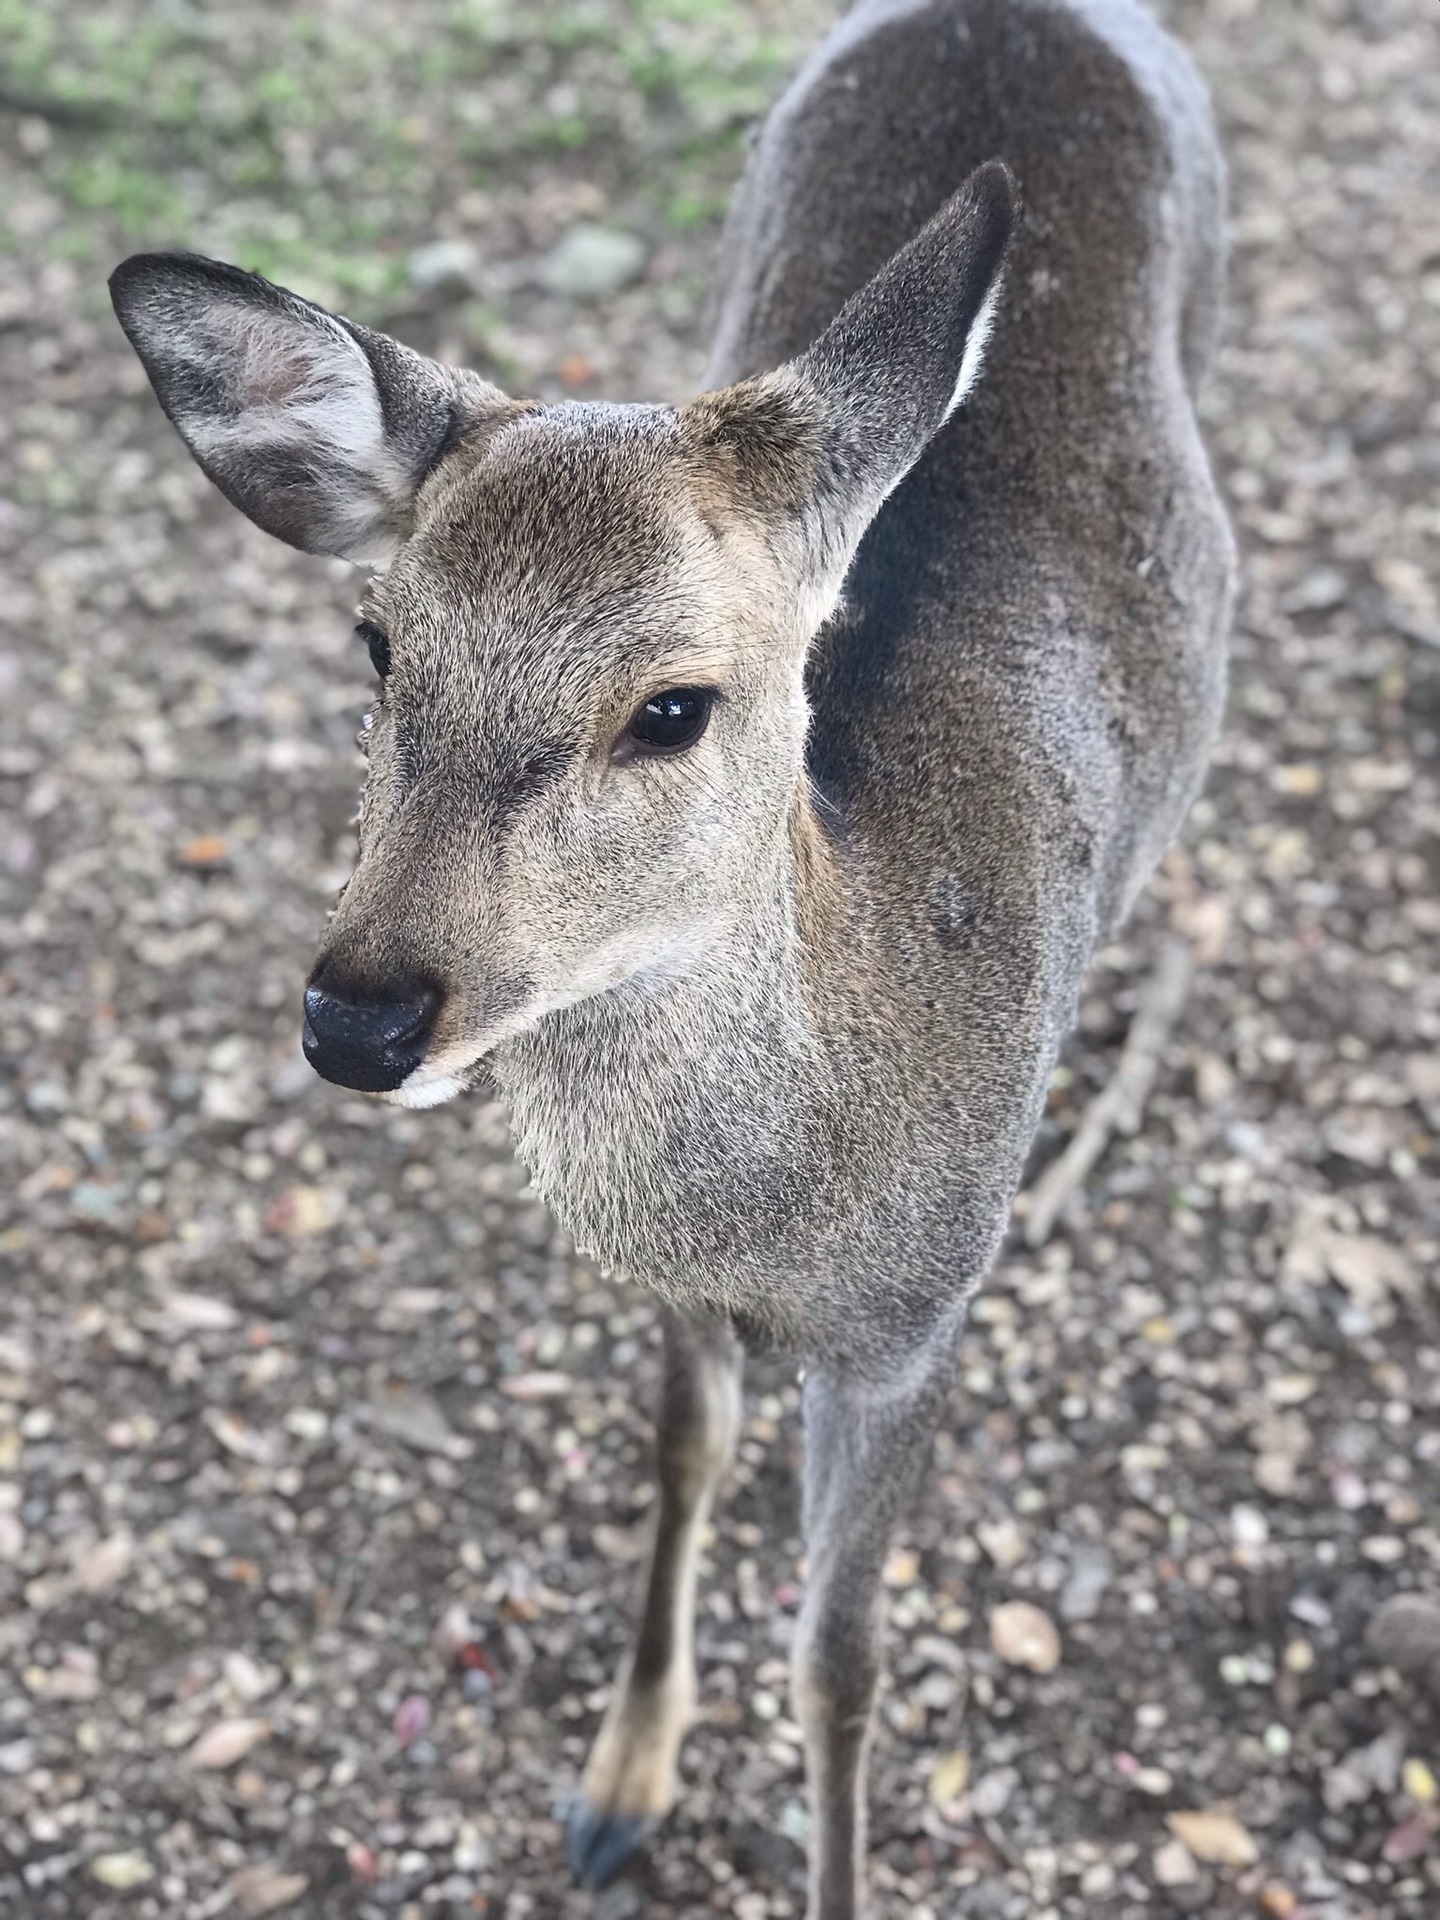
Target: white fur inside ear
[(976, 342), (301, 389)]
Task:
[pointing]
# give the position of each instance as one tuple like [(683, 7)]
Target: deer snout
[(369, 1037)]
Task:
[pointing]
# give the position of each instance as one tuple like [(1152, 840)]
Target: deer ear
[(320, 430), (834, 431), (903, 352)]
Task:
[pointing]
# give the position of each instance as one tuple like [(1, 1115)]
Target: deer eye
[(667, 723), (379, 645)]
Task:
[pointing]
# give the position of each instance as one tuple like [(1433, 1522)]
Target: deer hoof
[(600, 1845)]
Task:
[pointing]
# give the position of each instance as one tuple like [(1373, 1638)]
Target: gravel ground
[(323, 1461)]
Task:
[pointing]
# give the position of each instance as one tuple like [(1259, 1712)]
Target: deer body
[(921, 666), (1010, 711)]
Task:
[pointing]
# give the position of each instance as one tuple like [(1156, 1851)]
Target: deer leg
[(629, 1782), (866, 1443)]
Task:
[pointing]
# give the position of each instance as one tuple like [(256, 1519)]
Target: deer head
[(590, 624)]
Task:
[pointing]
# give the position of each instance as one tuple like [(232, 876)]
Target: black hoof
[(598, 1846)]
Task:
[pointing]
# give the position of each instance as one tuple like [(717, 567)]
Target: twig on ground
[(86, 114), (1119, 1106)]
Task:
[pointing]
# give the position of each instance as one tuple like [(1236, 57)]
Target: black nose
[(371, 1039)]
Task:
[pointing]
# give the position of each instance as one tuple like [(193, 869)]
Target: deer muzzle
[(369, 1036)]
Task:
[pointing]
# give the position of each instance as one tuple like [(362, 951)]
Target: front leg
[(866, 1443), (630, 1780)]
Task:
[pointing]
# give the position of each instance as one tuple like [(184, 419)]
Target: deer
[(752, 779)]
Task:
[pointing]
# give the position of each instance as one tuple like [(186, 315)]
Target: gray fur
[(775, 1018), (1010, 713)]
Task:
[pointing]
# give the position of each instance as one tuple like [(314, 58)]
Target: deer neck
[(665, 1118)]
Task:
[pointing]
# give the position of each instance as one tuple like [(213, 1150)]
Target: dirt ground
[(318, 1446)]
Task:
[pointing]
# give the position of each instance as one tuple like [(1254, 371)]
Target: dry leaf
[(1205, 923), (226, 1742), (206, 852), (902, 1569), (1367, 1267), (198, 1312), (261, 1890), (1409, 1840), (412, 1719), (1277, 1902), (301, 1212), (536, 1386), (1216, 1838), (238, 1437), (622, 1543), (949, 1778), (1300, 781)]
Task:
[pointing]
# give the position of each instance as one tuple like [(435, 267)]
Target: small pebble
[(1003, 1542), (1248, 1527), (1174, 1864), (121, 1870), (992, 1792), (1278, 1903), (1405, 1634), (1023, 1636), (590, 262), (1091, 1571), (446, 268)]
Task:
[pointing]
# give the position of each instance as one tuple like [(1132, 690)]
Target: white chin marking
[(422, 1091)]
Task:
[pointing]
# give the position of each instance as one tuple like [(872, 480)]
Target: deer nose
[(371, 1039)]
